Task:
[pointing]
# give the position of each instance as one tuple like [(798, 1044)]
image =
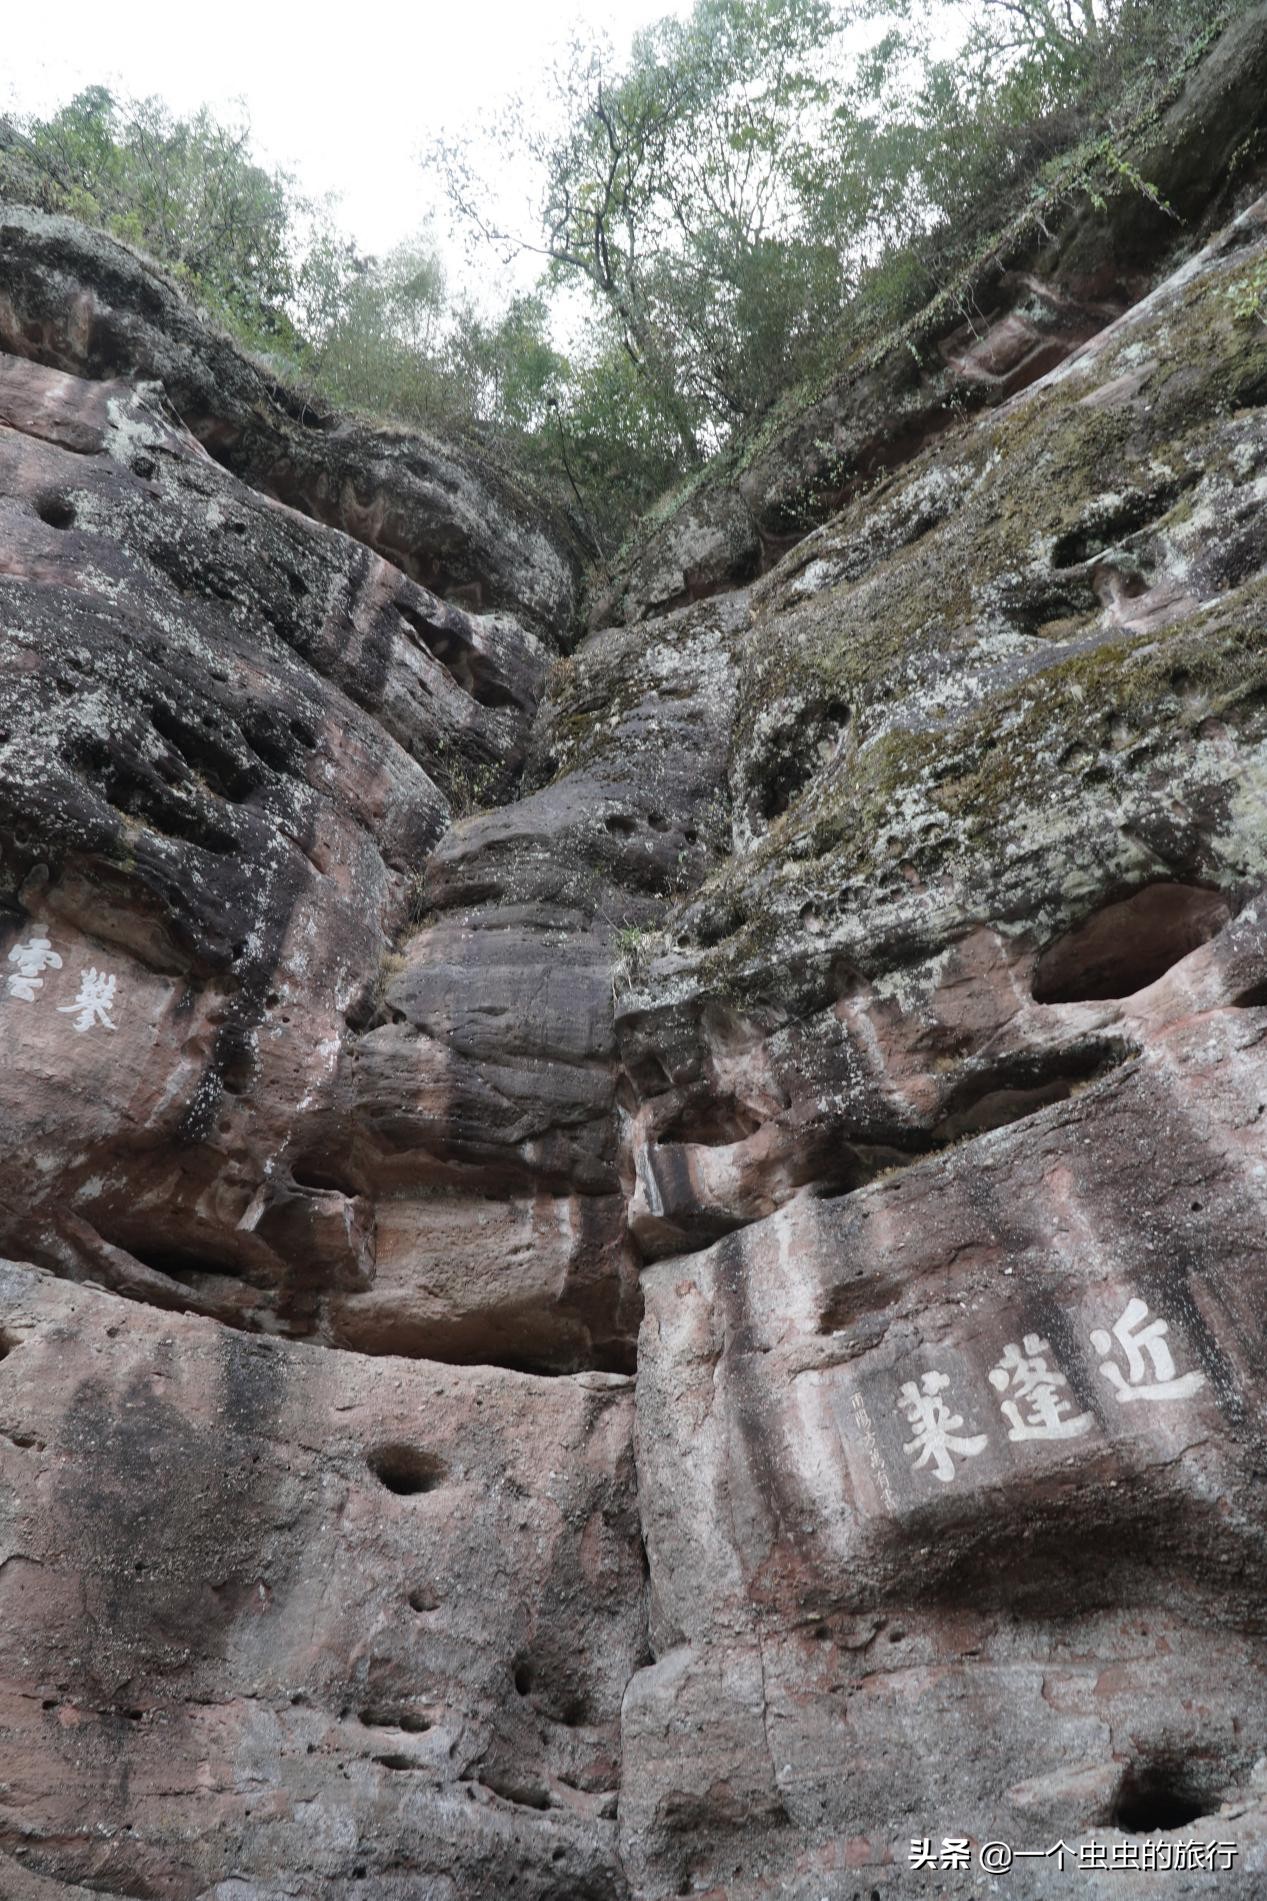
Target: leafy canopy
[(716, 217)]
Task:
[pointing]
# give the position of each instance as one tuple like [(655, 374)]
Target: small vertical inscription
[(866, 1432)]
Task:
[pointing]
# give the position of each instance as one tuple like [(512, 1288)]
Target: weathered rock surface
[(79, 301), (279, 1621), (230, 738), (840, 1001)]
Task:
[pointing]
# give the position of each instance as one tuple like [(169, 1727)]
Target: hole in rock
[(421, 1600), (1155, 1796), (237, 1065), (790, 756), (1127, 945), (269, 739), (175, 1263), (55, 511), (407, 1720), (716, 924), (1107, 527), (1021, 1085), (784, 777), (523, 1679), (397, 1762), (405, 1470), (1040, 605), (223, 774), (459, 657), (324, 1174), (710, 1124), (524, 1795)]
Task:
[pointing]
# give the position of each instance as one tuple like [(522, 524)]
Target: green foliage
[(765, 181), (1248, 296), (758, 191), (680, 190), (374, 332), (186, 190)]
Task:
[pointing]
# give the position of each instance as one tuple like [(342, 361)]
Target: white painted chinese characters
[(936, 1427), (1135, 1340), (96, 996), (31, 958), (1035, 1387), (94, 1000), (1033, 1392)]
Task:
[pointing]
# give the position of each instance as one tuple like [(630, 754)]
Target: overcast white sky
[(342, 96)]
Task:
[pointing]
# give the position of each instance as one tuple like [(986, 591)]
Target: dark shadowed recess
[(1129, 944)]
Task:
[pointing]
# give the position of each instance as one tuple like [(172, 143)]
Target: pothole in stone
[(405, 1470), (1159, 1797), (235, 1059), (1117, 517), (1127, 945), (324, 1174), (523, 1795), (710, 1124), (223, 772), (55, 511), (184, 1265), (789, 756), (556, 1692), (1023, 1084), (408, 1720), (716, 922), (449, 644)]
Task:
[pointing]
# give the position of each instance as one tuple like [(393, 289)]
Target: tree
[(509, 364), (377, 332), (675, 190), (186, 190)]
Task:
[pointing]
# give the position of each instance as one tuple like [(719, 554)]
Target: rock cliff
[(639, 1271)]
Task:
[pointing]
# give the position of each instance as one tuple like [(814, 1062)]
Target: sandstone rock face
[(77, 300), (230, 740), (281, 1621), (642, 1274)]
